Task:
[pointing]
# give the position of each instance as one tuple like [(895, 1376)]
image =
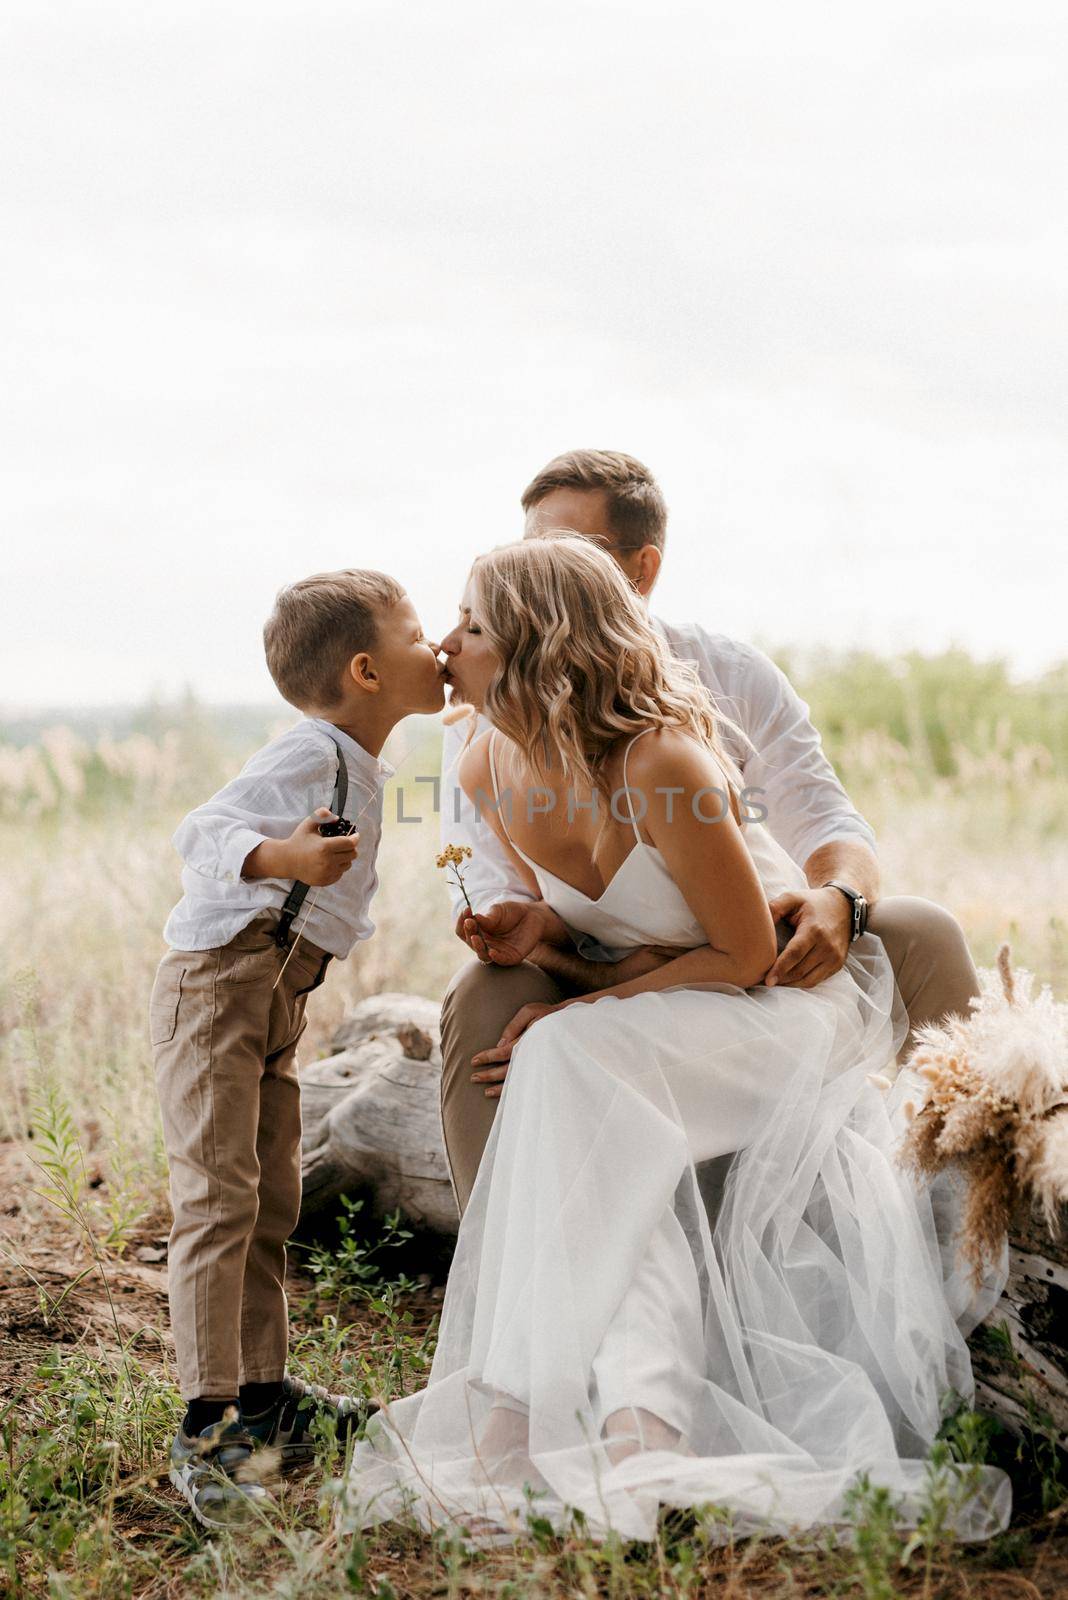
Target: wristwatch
[(858, 904)]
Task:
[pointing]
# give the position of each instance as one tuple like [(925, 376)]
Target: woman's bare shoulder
[(473, 767), (664, 750), (670, 758)]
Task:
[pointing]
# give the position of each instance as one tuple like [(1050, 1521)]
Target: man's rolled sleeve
[(789, 772), (849, 825)]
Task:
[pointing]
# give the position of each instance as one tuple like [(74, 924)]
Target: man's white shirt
[(786, 769), (277, 788)]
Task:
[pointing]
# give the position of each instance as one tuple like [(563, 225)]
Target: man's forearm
[(854, 863), (565, 963), (583, 976)]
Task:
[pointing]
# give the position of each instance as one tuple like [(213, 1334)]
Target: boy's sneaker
[(286, 1427), (218, 1473)]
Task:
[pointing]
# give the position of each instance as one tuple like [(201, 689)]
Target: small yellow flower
[(454, 856)]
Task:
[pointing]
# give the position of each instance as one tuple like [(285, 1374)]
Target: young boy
[(227, 1010)]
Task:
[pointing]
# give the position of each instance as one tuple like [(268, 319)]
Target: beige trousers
[(225, 1045), (932, 966)]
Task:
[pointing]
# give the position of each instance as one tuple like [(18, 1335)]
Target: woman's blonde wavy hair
[(581, 665)]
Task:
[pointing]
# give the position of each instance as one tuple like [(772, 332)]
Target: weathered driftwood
[(1032, 1378), (371, 1117), (372, 1125)]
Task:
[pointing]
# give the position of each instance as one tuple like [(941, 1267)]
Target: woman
[(601, 1350)]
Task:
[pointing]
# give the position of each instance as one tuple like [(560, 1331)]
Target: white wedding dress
[(602, 1350)]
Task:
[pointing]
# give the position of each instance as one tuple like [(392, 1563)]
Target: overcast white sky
[(294, 286)]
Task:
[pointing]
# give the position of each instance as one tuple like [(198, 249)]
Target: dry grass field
[(962, 775)]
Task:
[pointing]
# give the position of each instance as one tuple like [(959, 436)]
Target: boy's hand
[(305, 855), (321, 861)]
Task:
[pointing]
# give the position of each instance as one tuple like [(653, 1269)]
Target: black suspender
[(299, 892)]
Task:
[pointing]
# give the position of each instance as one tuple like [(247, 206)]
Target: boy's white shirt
[(806, 804), (280, 785)]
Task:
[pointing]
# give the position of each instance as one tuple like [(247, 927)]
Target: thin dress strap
[(630, 803)]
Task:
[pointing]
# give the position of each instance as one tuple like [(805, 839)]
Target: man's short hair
[(318, 625), (637, 510)]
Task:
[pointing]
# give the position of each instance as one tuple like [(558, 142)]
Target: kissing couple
[(690, 1270)]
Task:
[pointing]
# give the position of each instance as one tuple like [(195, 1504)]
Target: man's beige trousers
[(934, 971), (225, 1043)]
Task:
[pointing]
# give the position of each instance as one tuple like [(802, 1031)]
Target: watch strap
[(857, 905)]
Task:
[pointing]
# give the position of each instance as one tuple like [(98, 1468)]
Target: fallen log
[(1020, 1353), (371, 1118)]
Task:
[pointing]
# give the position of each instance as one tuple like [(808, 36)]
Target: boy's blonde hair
[(318, 625), (581, 664)]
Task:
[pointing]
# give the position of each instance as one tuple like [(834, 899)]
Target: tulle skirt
[(603, 1350)]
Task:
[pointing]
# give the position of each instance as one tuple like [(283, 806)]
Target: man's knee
[(479, 1003), (909, 925), (464, 989), (932, 964), (460, 1002)]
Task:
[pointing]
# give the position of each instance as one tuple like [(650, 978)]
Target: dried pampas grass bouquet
[(996, 1106)]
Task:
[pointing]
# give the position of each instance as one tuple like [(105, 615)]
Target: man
[(614, 500)]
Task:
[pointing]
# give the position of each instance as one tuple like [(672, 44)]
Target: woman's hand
[(507, 933), (491, 1066)]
